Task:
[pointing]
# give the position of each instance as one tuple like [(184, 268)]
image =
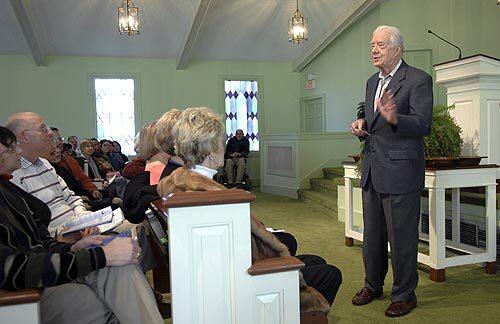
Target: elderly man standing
[(37, 176), (398, 115)]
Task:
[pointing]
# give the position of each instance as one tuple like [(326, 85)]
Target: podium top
[(466, 58)]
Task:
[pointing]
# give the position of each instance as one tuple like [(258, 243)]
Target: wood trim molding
[(353, 13), (273, 265), (203, 198), (26, 296), (194, 31), (29, 33)]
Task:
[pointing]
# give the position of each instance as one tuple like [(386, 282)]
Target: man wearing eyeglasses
[(36, 176), (398, 116)]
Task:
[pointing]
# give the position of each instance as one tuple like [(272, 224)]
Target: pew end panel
[(211, 265), (20, 306)]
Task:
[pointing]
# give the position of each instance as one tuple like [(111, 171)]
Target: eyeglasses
[(43, 129), (11, 149), (57, 140)]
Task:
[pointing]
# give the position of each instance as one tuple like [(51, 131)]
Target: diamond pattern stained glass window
[(114, 102), (241, 105)]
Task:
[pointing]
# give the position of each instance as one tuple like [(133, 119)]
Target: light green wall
[(60, 92), (344, 66)]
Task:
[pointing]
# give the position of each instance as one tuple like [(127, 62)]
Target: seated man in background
[(85, 282), (237, 150), (36, 176)]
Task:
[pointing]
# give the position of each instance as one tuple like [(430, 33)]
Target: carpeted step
[(318, 207), (326, 186), (319, 201), (341, 182), (331, 173)]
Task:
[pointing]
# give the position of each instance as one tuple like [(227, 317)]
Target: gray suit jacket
[(394, 155)]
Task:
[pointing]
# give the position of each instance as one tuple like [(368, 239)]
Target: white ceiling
[(233, 29)]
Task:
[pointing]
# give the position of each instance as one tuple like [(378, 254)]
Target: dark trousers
[(393, 219), (323, 277)]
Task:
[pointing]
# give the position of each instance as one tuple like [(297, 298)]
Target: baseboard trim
[(280, 191)]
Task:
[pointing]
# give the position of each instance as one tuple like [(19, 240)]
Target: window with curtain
[(115, 111), (241, 104)]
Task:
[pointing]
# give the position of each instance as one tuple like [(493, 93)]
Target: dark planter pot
[(440, 162), (465, 161), (450, 162), (355, 157)]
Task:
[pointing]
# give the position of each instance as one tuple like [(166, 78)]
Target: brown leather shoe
[(364, 296), (400, 308)]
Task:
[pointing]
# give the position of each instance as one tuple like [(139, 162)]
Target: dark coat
[(29, 257), (235, 145), (394, 155), (139, 194)]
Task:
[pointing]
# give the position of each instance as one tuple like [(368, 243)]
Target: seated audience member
[(96, 145), (141, 189), (100, 168), (85, 282), (115, 159), (73, 140), (156, 160), (87, 149), (199, 139), (102, 161), (56, 137), (67, 150), (138, 163), (78, 182), (36, 176), (237, 150), (165, 142), (134, 167), (117, 148)]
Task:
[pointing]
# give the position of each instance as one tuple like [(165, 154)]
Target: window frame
[(260, 100), (137, 98)]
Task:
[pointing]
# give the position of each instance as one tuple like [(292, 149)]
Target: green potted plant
[(443, 145)]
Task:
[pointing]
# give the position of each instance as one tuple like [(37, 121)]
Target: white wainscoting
[(288, 161), (210, 255)]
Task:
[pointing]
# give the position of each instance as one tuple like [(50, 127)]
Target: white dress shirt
[(383, 82)]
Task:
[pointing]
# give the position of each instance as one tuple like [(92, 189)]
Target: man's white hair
[(394, 33)]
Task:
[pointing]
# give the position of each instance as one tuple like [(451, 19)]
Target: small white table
[(437, 181)]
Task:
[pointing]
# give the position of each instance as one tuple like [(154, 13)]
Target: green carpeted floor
[(468, 295)]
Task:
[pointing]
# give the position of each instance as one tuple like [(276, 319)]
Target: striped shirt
[(41, 180)]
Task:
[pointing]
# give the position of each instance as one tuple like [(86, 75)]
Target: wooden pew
[(212, 277), (20, 306)]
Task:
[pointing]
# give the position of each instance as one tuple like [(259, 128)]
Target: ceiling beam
[(196, 27), (28, 31), (349, 16)]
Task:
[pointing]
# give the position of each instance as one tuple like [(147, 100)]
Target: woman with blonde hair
[(199, 136), (155, 144)]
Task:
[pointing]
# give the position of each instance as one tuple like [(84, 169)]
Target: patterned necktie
[(384, 81)]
